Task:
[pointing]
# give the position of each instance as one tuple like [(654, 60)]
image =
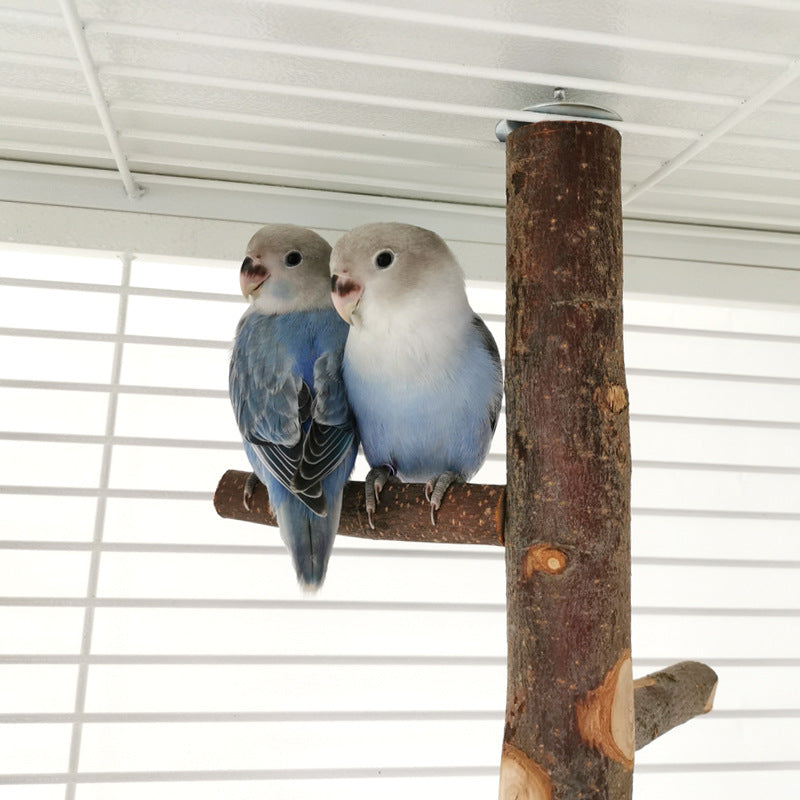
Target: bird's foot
[(249, 487), (435, 490), (373, 486)]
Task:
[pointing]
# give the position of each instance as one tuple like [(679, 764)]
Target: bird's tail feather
[(309, 539)]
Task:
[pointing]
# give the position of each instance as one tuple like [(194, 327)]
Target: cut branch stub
[(521, 778), (671, 697), (543, 558), (605, 715)]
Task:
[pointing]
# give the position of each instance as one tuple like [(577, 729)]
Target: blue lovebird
[(287, 393), (422, 370)]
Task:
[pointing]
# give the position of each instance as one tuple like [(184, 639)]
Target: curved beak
[(346, 294), (251, 276)]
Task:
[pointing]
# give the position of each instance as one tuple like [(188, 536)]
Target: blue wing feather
[(288, 427), (331, 434), (268, 397)]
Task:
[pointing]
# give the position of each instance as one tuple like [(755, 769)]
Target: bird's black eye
[(293, 258), (383, 259)]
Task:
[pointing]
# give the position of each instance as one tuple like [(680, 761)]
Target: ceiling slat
[(76, 31), (357, 96), (515, 28)]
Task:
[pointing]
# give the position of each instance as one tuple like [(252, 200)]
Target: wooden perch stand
[(574, 714), (569, 715)]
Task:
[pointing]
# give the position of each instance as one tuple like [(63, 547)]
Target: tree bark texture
[(470, 513), (569, 716), (671, 697)]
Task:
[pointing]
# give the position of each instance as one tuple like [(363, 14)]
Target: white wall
[(202, 657)]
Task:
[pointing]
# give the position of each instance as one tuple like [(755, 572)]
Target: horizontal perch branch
[(470, 513)]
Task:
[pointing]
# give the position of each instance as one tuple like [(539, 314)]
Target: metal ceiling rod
[(746, 109), (76, 32)]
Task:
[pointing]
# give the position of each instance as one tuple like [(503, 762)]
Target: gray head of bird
[(387, 268), (286, 269)]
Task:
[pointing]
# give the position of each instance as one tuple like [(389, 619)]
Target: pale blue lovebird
[(287, 393), (422, 370)]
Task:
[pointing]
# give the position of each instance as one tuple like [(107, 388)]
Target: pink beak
[(346, 295), (251, 276)]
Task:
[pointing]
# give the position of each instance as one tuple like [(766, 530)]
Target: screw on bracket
[(559, 106)]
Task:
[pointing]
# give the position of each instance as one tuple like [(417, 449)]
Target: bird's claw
[(373, 486), (435, 490), (371, 503), (249, 488)]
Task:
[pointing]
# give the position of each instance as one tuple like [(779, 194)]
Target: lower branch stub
[(671, 697)]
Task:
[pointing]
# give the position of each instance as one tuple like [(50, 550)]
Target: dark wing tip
[(316, 503), (487, 339), (324, 448), (490, 345)]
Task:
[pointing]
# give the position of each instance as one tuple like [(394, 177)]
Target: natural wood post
[(569, 717)]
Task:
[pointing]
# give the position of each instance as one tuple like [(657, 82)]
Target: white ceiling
[(401, 98)]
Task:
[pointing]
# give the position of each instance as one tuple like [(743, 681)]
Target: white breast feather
[(416, 339)]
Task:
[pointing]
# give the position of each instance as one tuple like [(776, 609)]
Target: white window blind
[(150, 649)]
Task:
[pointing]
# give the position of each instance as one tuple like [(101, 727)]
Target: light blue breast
[(424, 428)]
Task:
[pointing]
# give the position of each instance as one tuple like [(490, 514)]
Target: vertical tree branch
[(569, 717)]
